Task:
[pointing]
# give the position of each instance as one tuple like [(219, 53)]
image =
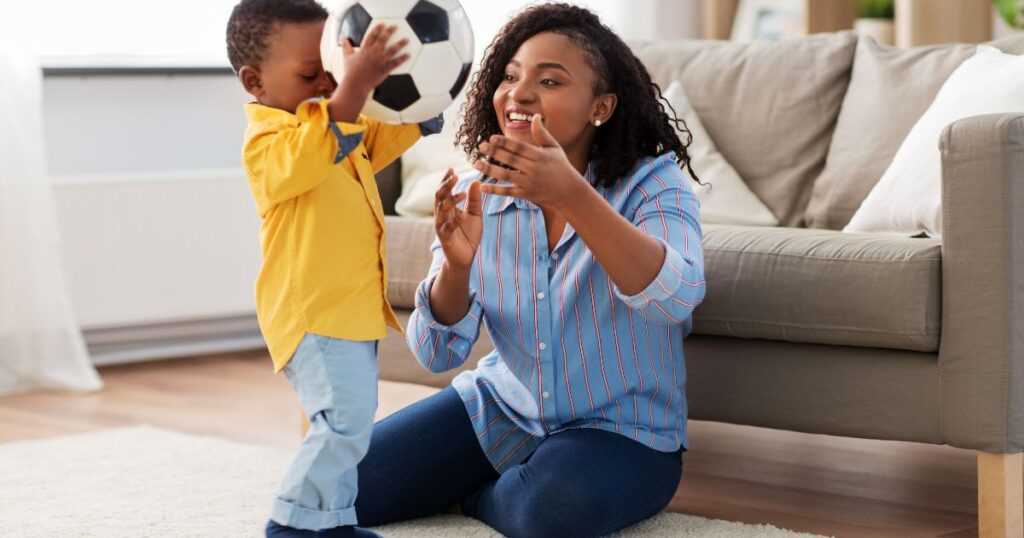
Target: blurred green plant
[(875, 9), (1012, 12)]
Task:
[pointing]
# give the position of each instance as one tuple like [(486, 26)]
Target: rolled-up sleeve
[(432, 126), (439, 347), (669, 213), (386, 142)]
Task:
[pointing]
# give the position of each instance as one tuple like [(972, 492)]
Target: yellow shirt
[(322, 237)]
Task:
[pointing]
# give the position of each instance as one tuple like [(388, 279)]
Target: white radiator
[(161, 265)]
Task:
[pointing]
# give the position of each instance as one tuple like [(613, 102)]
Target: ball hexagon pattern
[(440, 53)]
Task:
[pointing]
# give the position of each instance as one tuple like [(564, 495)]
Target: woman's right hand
[(459, 231)]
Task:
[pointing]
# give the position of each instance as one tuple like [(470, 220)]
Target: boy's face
[(291, 71)]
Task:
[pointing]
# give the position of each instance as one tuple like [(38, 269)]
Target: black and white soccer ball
[(440, 49)]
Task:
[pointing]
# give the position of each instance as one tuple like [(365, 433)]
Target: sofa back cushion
[(770, 108), (889, 91)]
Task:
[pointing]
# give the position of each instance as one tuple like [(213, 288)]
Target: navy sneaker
[(276, 530), (348, 531)]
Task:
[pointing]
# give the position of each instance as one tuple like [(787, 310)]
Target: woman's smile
[(517, 118)]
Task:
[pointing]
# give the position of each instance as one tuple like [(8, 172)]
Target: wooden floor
[(813, 483)]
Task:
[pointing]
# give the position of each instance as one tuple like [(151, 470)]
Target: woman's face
[(549, 75)]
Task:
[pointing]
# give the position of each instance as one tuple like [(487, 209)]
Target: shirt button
[(543, 346), (547, 394), (555, 255), (540, 296)]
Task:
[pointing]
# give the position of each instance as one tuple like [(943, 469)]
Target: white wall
[(112, 124), (162, 123)]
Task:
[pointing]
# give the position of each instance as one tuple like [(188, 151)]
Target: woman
[(578, 245)]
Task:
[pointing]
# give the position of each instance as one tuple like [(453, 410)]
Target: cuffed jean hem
[(292, 515)]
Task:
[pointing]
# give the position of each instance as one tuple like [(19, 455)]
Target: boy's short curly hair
[(252, 21)]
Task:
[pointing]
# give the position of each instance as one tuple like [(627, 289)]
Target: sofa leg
[(1000, 495)]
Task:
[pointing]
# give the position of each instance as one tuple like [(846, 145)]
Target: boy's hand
[(365, 68), (458, 231), (368, 66)]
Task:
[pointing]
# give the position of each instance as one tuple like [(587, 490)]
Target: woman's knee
[(560, 511), (555, 499), (558, 506)]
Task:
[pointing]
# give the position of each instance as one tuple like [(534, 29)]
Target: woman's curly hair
[(640, 127)]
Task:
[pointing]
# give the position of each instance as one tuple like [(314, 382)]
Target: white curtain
[(40, 343)]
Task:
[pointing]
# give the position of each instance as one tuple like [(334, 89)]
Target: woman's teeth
[(516, 116)]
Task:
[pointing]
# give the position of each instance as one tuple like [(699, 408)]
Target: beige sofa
[(810, 329)]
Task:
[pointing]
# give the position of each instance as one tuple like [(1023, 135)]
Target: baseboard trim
[(120, 345)]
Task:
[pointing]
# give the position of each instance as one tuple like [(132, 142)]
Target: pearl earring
[(597, 123)]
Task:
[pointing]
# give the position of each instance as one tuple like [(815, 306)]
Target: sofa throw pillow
[(725, 199), (890, 89), (420, 184), (424, 165), (770, 107), (907, 199)]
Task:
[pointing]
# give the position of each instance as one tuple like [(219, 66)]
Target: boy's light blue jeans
[(336, 381)]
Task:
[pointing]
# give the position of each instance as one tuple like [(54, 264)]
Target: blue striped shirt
[(571, 351)]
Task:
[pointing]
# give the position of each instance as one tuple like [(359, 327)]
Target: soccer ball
[(440, 54)]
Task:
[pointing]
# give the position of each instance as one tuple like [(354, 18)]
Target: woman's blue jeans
[(425, 459)]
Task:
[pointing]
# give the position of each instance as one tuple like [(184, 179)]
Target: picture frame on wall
[(768, 20)]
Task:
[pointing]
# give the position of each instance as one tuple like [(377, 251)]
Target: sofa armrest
[(981, 353)]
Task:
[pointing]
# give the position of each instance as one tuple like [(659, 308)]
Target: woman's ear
[(604, 107), (251, 80)]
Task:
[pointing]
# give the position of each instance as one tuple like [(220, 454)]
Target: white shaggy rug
[(148, 482)]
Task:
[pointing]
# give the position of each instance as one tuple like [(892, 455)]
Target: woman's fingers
[(541, 134), (497, 172), (447, 215), (441, 196), (507, 149), (474, 205), (445, 231), (444, 190), (505, 156), (526, 150)]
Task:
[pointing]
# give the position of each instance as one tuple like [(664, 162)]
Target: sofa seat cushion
[(408, 251), (821, 287), (798, 285)]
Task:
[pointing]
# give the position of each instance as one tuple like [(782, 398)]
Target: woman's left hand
[(539, 173)]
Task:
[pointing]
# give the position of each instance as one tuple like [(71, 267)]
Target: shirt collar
[(494, 203), (258, 113)]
